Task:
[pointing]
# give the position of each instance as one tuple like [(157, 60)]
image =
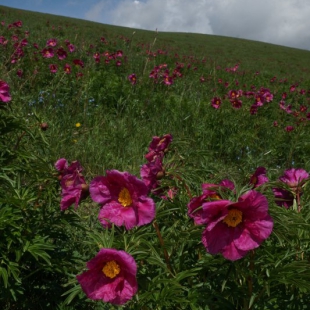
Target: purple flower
[(210, 193), (295, 180), (233, 229), (294, 177), (73, 185), (123, 198), (111, 277), (151, 173), (4, 92), (259, 177), (158, 147)]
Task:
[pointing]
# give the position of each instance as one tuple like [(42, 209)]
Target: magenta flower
[(294, 179), (123, 198), (73, 185), (259, 177), (235, 228), (61, 53), (111, 277), (47, 52), (216, 102), (158, 147), (53, 68), (51, 42), (210, 192), (151, 173), (132, 78), (4, 92), (74, 189)]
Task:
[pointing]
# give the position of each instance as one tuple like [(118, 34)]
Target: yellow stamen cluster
[(124, 197), (233, 218), (111, 269)]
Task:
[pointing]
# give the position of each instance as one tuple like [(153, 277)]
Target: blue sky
[(283, 22)]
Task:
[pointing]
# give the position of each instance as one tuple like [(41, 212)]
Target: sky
[(282, 22)]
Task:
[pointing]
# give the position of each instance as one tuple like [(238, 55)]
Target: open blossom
[(4, 92), (216, 102), (47, 52), (235, 228), (111, 277), (123, 198)]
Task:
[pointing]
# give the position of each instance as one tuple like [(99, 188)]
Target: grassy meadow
[(98, 94)]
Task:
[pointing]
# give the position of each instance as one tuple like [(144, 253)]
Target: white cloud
[(284, 22)]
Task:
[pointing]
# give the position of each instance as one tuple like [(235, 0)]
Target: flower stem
[(161, 241)]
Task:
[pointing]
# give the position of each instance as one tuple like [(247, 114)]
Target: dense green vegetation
[(98, 94)]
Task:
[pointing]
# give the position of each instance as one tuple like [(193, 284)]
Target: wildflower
[(74, 187), (77, 125), (123, 198), (71, 48), (235, 228), (158, 146), (111, 277), (151, 173), (289, 128), (259, 177), (51, 42), (47, 52), (78, 62), (132, 78), (294, 179), (4, 92), (67, 68), (53, 68), (236, 103), (216, 102), (210, 192), (61, 53)]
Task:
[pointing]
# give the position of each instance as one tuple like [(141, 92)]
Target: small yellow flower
[(77, 125)]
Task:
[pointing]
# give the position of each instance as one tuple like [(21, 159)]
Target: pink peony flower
[(123, 198), (132, 78), (53, 68), (259, 177), (158, 147), (216, 102), (4, 92), (294, 179), (151, 173), (111, 277), (210, 192), (47, 52), (74, 187), (234, 228)]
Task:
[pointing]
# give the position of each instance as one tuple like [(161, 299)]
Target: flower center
[(111, 269), (124, 197), (233, 218)]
